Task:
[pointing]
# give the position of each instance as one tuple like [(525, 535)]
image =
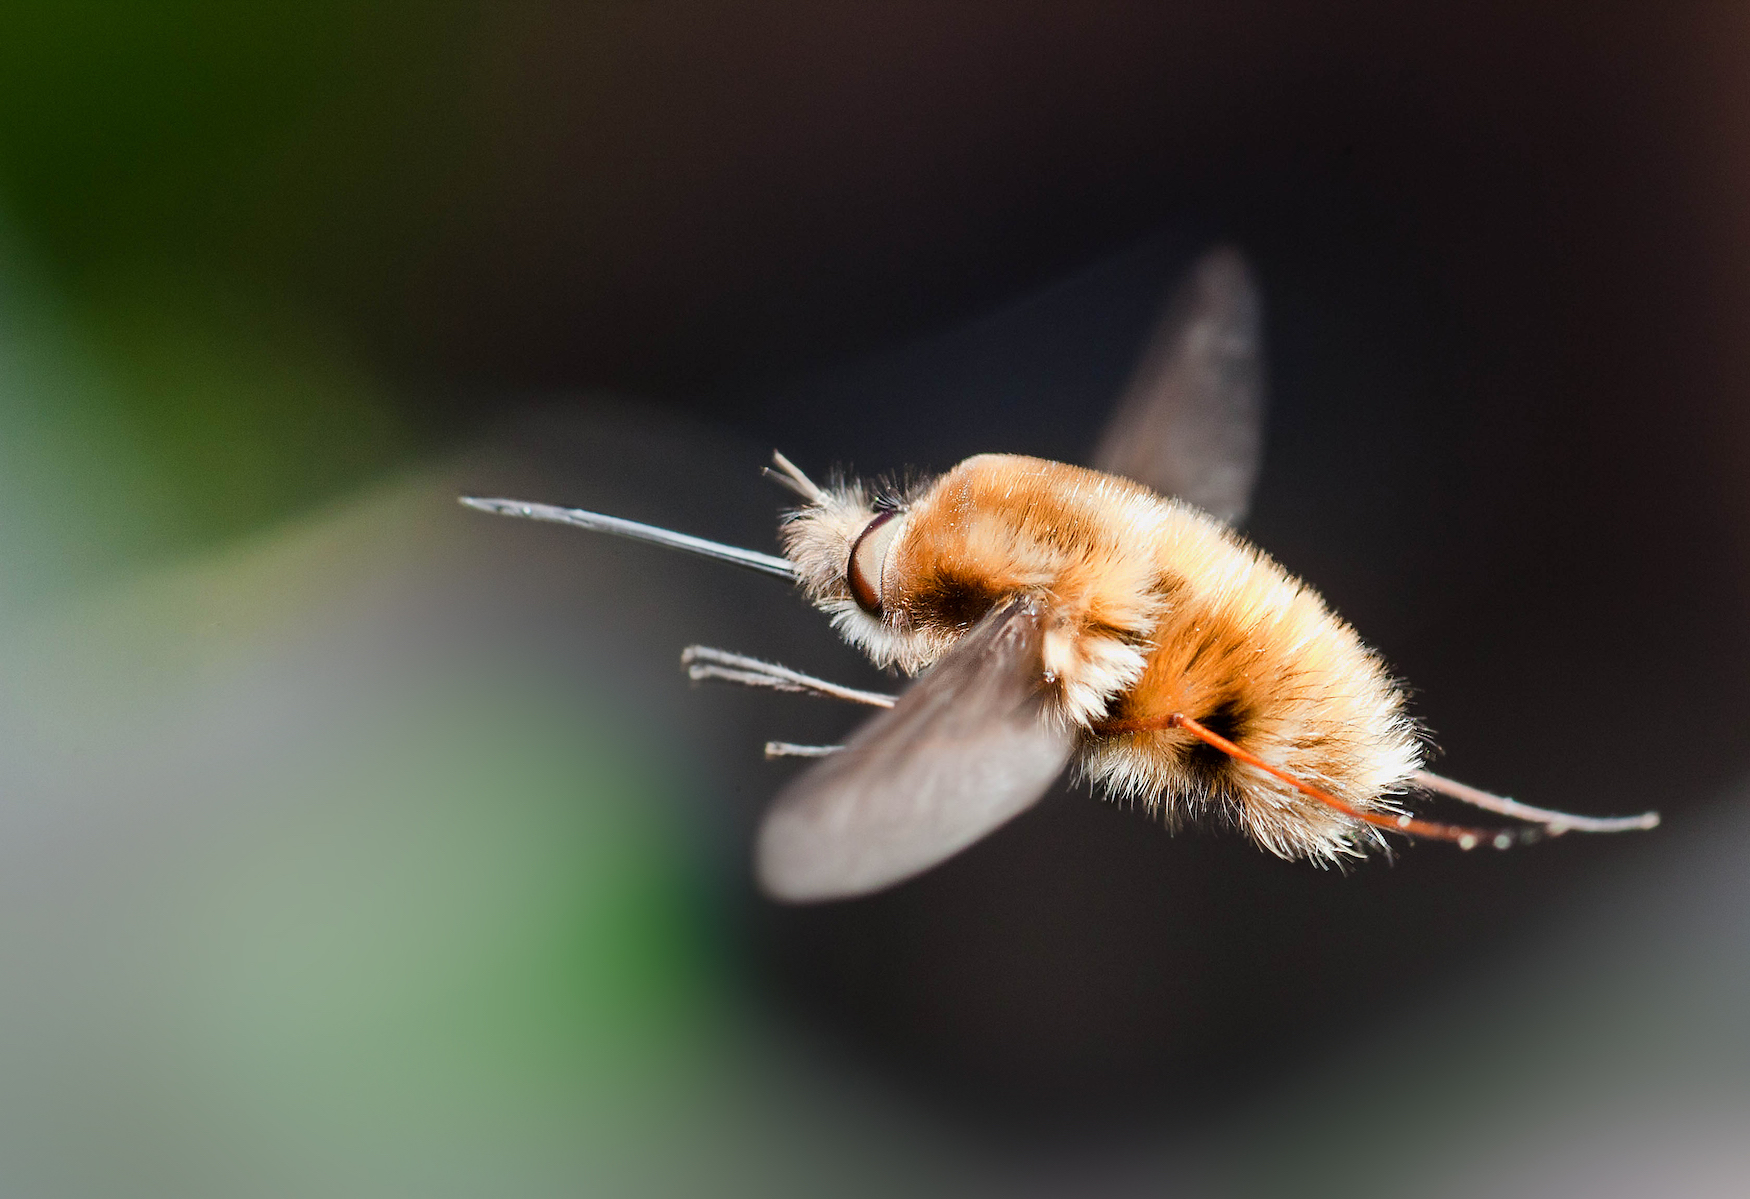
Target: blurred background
[(355, 844)]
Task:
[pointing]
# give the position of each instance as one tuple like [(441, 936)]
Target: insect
[(1109, 617)]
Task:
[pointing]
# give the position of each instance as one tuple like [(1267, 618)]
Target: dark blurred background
[(275, 283)]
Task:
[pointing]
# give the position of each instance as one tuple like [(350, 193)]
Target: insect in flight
[(1110, 617)]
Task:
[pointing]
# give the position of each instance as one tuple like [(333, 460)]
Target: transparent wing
[(964, 750), (1190, 423)]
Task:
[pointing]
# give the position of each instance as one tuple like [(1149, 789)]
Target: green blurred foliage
[(455, 938), (205, 130), (288, 915), (175, 178)]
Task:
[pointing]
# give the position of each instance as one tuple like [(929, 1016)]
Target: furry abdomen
[(1161, 609), (1255, 655), (1156, 609)]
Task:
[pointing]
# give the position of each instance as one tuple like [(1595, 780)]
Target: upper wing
[(965, 749), (1190, 422)]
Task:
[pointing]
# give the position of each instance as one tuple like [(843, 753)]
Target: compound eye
[(868, 558)]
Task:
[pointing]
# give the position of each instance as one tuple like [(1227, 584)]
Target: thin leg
[(786, 749), (703, 662), (1463, 836), (1556, 822)]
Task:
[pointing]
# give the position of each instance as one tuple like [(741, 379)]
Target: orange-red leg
[(1464, 836)]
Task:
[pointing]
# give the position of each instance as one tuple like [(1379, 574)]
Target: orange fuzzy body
[(1156, 609)]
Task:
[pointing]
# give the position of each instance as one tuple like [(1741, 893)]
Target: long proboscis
[(768, 564)]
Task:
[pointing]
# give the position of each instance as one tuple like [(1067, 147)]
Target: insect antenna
[(790, 475)]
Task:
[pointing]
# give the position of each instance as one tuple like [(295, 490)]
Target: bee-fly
[(1109, 617)]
